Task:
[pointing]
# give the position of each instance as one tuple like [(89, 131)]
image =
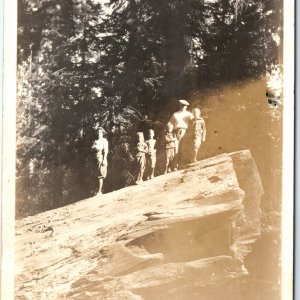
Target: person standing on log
[(198, 131), (171, 145), (180, 123), (101, 146), (151, 155), (142, 149)]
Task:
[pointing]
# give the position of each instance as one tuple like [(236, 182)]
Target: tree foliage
[(120, 64)]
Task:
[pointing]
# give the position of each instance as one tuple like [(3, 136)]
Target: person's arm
[(140, 147), (148, 147), (154, 147), (98, 154), (169, 139), (204, 130), (105, 152), (145, 148)]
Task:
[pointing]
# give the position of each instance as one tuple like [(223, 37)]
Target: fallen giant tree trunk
[(164, 239)]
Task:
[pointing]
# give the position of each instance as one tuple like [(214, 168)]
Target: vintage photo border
[(288, 152), (9, 147), (297, 160)]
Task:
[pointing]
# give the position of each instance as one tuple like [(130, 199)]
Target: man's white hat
[(184, 102)]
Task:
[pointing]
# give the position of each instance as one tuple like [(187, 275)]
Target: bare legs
[(167, 169), (151, 173), (194, 159), (197, 145), (100, 186), (141, 162), (171, 162), (139, 178)]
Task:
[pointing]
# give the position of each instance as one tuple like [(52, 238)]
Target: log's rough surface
[(164, 239)]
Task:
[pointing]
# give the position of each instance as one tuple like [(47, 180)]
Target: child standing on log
[(142, 149), (198, 131), (151, 155), (101, 146), (171, 149)]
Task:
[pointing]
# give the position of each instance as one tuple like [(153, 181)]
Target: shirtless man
[(180, 122), (101, 146)]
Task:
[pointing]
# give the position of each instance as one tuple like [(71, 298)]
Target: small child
[(151, 155), (198, 131), (171, 149), (142, 149), (101, 146)]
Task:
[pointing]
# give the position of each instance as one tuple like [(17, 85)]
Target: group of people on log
[(176, 139)]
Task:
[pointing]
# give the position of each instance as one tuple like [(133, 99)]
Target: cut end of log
[(166, 238)]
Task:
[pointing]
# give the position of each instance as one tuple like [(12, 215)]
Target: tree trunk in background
[(130, 76), (58, 171), (176, 51)]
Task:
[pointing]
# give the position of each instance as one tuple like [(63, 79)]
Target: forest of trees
[(121, 64)]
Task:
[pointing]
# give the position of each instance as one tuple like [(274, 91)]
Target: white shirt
[(180, 119), (101, 145)]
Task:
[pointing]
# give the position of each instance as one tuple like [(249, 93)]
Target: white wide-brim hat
[(184, 102)]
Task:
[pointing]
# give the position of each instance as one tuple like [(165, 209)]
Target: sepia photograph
[(152, 155)]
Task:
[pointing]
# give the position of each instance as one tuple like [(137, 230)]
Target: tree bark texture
[(166, 238)]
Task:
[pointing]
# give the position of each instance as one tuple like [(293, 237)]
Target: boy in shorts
[(171, 149), (141, 149), (101, 146), (151, 155), (198, 131)]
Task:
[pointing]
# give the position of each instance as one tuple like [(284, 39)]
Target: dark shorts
[(170, 153), (141, 162)]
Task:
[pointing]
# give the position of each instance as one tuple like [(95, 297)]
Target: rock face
[(167, 238)]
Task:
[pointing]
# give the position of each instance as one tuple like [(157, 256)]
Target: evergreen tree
[(81, 66)]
